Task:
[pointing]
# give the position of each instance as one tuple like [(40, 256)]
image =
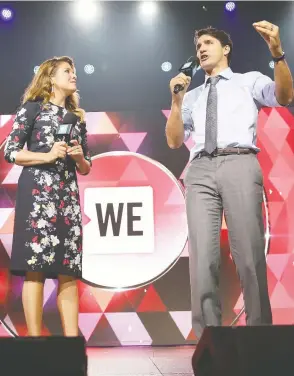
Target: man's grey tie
[(211, 116)]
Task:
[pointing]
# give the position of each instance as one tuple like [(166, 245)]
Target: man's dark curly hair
[(220, 35)]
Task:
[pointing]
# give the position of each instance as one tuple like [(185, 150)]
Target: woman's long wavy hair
[(41, 87)]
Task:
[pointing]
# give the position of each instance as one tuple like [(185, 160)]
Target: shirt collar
[(226, 73)]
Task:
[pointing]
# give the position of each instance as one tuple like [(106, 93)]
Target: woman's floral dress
[(48, 222)]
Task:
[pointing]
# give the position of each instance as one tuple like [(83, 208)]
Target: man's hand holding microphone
[(182, 80)]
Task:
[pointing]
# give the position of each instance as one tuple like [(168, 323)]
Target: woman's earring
[(52, 91)]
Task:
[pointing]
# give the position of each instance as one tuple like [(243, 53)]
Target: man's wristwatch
[(276, 59)]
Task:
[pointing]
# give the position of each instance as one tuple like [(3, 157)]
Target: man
[(224, 174)]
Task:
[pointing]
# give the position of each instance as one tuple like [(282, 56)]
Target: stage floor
[(140, 361)]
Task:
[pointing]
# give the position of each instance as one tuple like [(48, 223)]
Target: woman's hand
[(58, 151), (75, 151)]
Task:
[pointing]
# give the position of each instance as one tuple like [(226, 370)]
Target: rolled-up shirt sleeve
[(187, 119), (264, 91)]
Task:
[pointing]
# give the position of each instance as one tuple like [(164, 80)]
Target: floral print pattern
[(48, 221)]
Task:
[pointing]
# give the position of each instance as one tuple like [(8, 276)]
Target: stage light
[(271, 64), (166, 66), (6, 14), (36, 69), (148, 8), (87, 10), (89, 69), (230, 6)]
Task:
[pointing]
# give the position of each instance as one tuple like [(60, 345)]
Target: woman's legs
[(68, 305), (32, 299)]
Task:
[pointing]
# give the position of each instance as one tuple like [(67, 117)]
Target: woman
[(47, 240)]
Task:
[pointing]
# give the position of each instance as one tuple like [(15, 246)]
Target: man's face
[(209, 52)]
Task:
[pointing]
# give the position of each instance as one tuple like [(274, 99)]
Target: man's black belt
[(226, 151)]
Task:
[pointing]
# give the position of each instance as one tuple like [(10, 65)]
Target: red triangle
[(263, 116), (286, 115), (81, 287), (4, 285), (271, 281), (45, 331), (280, 228), (135, 297), (191, 336), (268, 148), (275, 209), (151, 302), (119, 303), (290, 139), (21, 329), (88, 303)]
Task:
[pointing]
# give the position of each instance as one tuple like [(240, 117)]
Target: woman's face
[(65, 78)]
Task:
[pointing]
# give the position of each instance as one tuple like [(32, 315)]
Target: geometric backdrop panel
[(158, 313)]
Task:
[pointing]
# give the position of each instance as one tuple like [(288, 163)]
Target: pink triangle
[(282, 168), (184, 171), (264, 142), (175, 197), (49, 287), (99, 123), (133, 172), (88, 322), (166, 113), (275, 209), (224, 223), (278, 137), (4, 216), (4, 119), (133, 140), (283, 185), (6, 240), (13, 175), (183, 321), (3, 332), (240, 303), (9, 323), (190, 143), (262, 118), (185, 252), (277, 264), (275, 121), (280, 298)]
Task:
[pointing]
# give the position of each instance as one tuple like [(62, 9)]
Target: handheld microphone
[(64, 131), (189, 69)]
